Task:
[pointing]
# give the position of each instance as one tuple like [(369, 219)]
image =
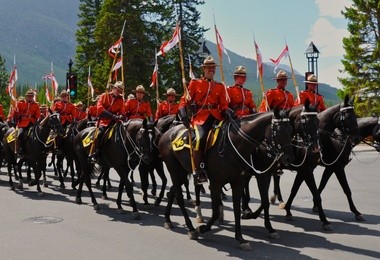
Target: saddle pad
[(51, 138), (12, 136), (213, 135), (182, 140), (89, 138)]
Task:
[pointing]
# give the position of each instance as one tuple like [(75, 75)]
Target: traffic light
[(71, 79)]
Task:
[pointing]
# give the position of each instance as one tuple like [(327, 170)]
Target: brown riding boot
[(200, 173)]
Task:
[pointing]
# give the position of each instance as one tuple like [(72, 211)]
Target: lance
[(115, 57), (293, 75), (259, 59)]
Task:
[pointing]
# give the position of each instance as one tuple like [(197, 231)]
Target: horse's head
[(144, 140), (280, 136), (345, 120), (55, 124), (305, 125)]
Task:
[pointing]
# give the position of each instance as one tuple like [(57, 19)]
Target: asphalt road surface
[(55, 227)]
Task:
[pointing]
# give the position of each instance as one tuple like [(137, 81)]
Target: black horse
[(368, 127), (122, 147), (337, 125), (35, 148), (226, 160), (305, 146)]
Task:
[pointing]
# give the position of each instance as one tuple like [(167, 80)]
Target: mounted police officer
[(311, 93), (279, 96), (138, 107), (169, 106), (25, 115), (209, 105), (111, 109), (68, 112), (241, 99)]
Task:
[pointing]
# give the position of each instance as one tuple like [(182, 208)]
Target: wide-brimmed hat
[(119, 85), (43, 106), (131, 96), (171, 92), (209, 62), (311, 79), (57, 99), (64, 93), (21, 98), (240, 71), (281, 75), (139, 88), (79, 104), (30, 92)]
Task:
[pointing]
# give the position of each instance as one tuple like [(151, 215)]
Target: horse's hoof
[(274, 235), (281, 205), (200, 220), (191, 202), (201, 229), (154, 192), (11, 188), (62, 186), (146, 203), (273, 199), (97, 185), (245, 246), (78, 201), (40, 194), (20, 186), (193, 235), (157, 202), (120, 211), (327, 227), (46, 185), (96, 207), (136, 215), (315, 209), (360, 217), (105, 197), (168, 225), (289, 217)]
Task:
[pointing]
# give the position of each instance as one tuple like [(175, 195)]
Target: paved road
[(77, 231)]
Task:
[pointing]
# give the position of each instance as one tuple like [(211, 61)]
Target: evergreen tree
[(87, 52), (4, 77), (361, 60)]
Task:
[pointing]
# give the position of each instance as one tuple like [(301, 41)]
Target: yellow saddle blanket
[(89, 138), (182, 139), (15, 133)]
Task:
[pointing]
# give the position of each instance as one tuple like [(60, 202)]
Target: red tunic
[(1, 113), (209, 97), (67, 111), (26, 113), (93, 113), (112, 104), (241, 100), (165, 108), (278, 98), (137, 109), (314, 99), (81, 115)]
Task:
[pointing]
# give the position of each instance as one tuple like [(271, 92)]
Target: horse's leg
[(246, 195), (59, 168), (19, 172), (188, 195), (198, 210), (310, 182), (277, 190), (129, 188), (105, 173), (87, 180), (100, 177), (43, 170), (119, 196), (37, 175), (296, 185), (168, 223), (144, 172), (160, 171), (72, 174), (325, 178), (153, 179), (10, 181), (341, 175)]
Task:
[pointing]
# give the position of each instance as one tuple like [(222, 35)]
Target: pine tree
[(87, 51), (4, 77), (361, 60)]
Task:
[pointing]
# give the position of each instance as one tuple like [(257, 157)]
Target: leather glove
[(117, 117), (229, 115), (184, 118)]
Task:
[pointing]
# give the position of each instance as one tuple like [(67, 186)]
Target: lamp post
[(312, 55)]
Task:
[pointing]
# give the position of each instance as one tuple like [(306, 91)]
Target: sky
[(277, 22)]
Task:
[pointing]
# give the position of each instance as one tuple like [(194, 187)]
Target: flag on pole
[(284, 54), (89, 83), (12, 82), (259, 60), (114, 49), (118, 64), (191, 74), (47, 93), (154, 75), (220, 46), (166, 46), (54, 82)]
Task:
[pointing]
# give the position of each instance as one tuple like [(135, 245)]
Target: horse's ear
[(276, 112), (346, 100), (145, 123), (307, 104)]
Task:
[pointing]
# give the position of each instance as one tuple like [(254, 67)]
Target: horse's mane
[(366, 125), (166, 119), (325, 117)]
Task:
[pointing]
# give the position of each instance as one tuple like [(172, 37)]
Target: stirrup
[(200, 176)]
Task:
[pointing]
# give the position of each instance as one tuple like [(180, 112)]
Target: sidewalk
[(362, 147)]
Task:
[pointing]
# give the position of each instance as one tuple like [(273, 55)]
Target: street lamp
[(312, 55)]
